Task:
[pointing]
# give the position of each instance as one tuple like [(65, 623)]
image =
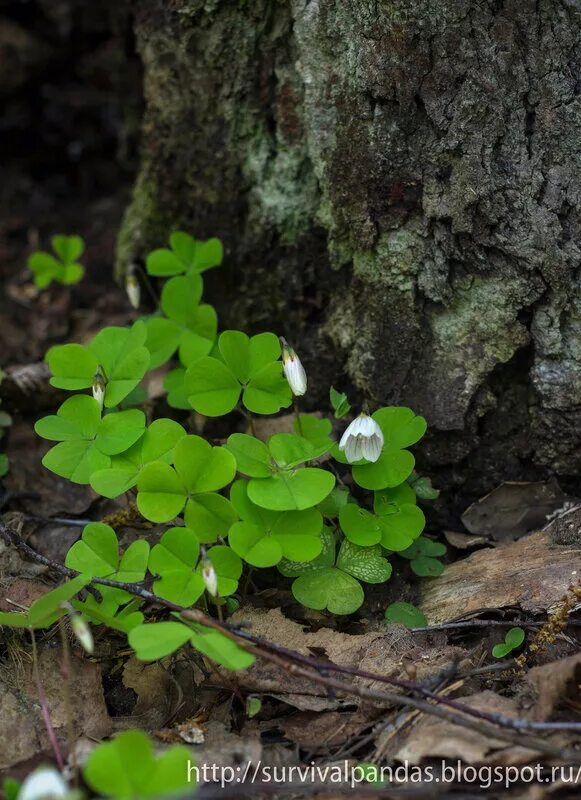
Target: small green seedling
[(185, 255), (339, 403), (512, 640), (405, 614), (64, 268), (423, 557), (253, 706)]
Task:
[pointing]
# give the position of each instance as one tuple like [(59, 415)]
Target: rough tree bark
[(398, 182)]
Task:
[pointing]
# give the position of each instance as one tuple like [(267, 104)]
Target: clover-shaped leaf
[(316, 431), (329, 588), (276, 482), (359, 526), (294, 490), (319, 584), (119, 353), (220, 648), (402, 613), (199, 469), (423, 555), (247, 366), (326, 558), (127, 767), (176, 562), (154, 640), (97, 554), (173, 383), (252, 456), (513, 639), (365, 563), (210, 515), (156, 444), (186, 254), (87, 441), (264, 537), (395, 529), (401, 428), (64, 269), (187, 326)]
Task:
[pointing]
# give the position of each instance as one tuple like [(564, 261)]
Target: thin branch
[(486, 623)]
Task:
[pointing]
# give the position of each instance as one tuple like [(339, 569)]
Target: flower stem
[(298, 419)]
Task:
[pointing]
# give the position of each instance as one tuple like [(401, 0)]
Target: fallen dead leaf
[(437, 738), (464, 541), (552, 685), (391, 651), (532, 573), (513, 509), (22, 730), (319, 731)]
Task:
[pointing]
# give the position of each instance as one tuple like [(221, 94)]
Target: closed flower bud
[(98, 387), (133, 290), (362, 439), (82, 632), (293, 369), (43, 784), (210, 577)]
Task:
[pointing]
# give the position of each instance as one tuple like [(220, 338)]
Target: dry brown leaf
[(553, 684), (319, 731), (464, 541), (532, 573), (391, 651), (22, 730), (513, 509), (433, 737)]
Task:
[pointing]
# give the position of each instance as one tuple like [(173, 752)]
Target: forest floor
[(334, 691)]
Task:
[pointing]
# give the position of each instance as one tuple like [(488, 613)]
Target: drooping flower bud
[(45, 783), (82, 632), (133, 289), (362, 439), (293, 369), (98, 387), (210, 577)]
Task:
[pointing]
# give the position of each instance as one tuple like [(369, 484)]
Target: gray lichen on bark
[(414, 166)]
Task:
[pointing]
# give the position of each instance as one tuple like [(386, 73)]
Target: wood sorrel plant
[(243, 505)]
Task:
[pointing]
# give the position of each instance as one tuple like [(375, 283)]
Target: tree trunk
[(397, 186)]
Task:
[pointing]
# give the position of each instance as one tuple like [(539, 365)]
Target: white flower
[(133, 290), (98, 387), (293, 369), (210, 577), (362, 439), (43, 784), (82, 631)]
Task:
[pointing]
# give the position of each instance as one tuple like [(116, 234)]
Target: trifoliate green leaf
[(118, 352), (87, 440), (294, 490), (365, 563), (402, 613), (263, 537), (252, 456), (329, 588), (156, 444)]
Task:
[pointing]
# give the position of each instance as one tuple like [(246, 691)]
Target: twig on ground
[(488, 724)]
